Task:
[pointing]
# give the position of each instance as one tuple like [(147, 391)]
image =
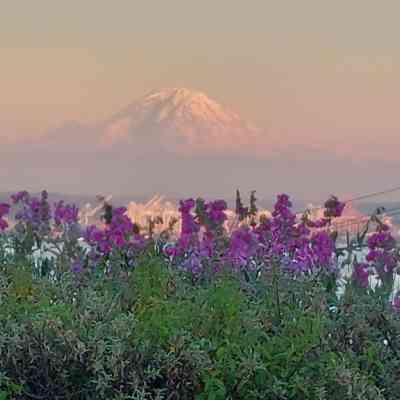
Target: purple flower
[(323, 248), (34, 213), (333, 207), (382, 252), (186, 205), (138, 241), (301, 262), (4, 210), (171, 251), (189, 228), (207, 245), (119, 235), (194, 264), (396, 303), (287, 241), (93, 235), (243, 245), (3, 224), (318, 224), (381, 239), (77, 267), (282, 239), (361, 275), (65, 213), (19, 196), (216, 211)]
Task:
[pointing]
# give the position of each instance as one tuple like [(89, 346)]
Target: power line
[(365, 219), (366, 196), (385, 213), (361, 197)]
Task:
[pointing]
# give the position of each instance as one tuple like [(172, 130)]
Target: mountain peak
[(182, 120), (177, 93), (181, 103)]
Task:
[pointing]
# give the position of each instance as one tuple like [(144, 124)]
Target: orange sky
[(309, 70), (324, 73)]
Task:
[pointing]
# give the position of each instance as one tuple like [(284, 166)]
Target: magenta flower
[(382, 252), (323, 248), (396, 303), (189, 228), (65, 213), (4, 210), (282, 239), (381, 239), (289, 242), (20, 196), (318, 224), (171, 251), (120, 236), (93, 235), (194, 265), (3, 224), (77, 266), (216, 211), (34, 213), (333, 207), (207, 245), (361, 275), (243, 245), (186, 205)]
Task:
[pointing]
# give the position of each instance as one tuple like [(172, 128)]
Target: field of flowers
[(243, 306)]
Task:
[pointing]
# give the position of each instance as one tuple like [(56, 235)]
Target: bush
[(249, 314), (158, 336)]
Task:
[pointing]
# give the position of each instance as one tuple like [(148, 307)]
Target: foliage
[(158, 335), (249, 314)]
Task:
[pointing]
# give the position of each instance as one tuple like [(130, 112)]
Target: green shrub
[(155, 335)]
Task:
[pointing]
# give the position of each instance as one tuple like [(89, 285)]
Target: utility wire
[(364, 220), (366, 196), (361, 197), (385, 213)]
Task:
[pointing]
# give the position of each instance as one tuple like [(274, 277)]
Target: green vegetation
[(156, 335)]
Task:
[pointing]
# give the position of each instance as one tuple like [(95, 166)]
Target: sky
[(307, 72)]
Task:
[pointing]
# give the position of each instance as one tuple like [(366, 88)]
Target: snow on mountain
[(180, 120), (175, 121)]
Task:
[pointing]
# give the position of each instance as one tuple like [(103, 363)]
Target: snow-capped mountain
[(180, 120)]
